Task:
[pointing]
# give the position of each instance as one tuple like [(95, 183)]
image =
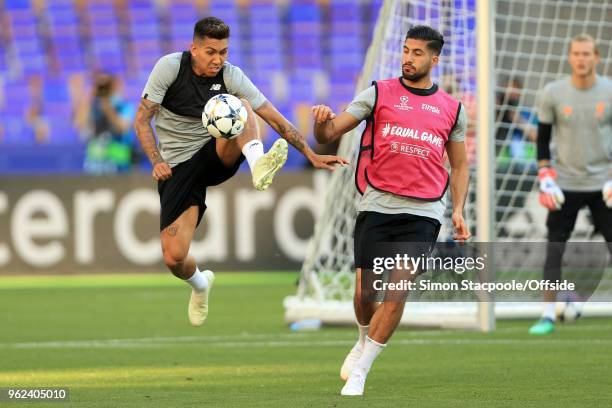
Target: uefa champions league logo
[(403, 104)]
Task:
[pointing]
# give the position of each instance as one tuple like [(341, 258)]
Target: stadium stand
[(293, 51)]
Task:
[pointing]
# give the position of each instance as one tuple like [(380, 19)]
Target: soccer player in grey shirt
[(577, 111), (186, 159)]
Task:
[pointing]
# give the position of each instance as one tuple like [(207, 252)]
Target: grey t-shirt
[(582, 132), (180, 137), (387, 203)]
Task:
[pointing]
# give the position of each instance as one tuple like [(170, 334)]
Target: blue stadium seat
[(346, 28), (60, 16), (105, 39), (182, 18), (16, 132), (345, 10), (143, 21), (16, 4), (265, 12), (52, 4), (306, 11), (273, 30), (225, 10), (62, 131), (56, 90), (65, 158), (64, 28)]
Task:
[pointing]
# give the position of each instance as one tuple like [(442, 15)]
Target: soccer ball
[(224, 116), (569, 313)]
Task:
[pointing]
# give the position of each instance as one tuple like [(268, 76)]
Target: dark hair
[(435, 40), (211, 27)]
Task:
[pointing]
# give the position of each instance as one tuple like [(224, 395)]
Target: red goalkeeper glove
[(551, 195)]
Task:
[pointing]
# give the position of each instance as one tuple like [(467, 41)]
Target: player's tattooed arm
[(283, 127), (144, 132), (293, 137), (287, 131)]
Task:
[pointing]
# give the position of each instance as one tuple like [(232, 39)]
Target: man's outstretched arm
[(286, 130)]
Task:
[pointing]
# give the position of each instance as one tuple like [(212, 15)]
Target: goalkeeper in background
[(411, 123), (579, 110)]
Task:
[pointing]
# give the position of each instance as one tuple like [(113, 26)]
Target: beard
[(416, 75)]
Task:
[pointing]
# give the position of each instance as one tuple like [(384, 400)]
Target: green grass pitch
[(125, 341)]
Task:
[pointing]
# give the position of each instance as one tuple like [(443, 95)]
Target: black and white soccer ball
[(569, 312), (224, 116)]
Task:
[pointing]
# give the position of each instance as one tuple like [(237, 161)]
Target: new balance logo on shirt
[(215, 87)]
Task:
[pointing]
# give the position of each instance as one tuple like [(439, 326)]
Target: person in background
[(106, 123), (515, 151)]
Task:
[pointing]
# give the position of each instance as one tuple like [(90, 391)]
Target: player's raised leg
[(263, 166), (175, 240)]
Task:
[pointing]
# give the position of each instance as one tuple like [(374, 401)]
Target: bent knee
[(174, 257)]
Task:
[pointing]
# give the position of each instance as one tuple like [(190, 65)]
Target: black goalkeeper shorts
[(187, 186)]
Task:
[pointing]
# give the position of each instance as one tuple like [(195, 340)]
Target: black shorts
[(561, 223), (372, 228), (188, 183)]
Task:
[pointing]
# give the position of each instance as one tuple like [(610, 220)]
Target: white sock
[(253, 150), (371, 350), (363, 333), (550, 311), (198, 281)]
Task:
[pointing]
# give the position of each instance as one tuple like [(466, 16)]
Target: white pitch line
[(165, 340), (144, 340), (286, 341)]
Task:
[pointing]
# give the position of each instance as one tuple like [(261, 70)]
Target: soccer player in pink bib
[(400, 173)]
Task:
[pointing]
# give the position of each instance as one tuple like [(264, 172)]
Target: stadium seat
[(282, 48), (16, 4)]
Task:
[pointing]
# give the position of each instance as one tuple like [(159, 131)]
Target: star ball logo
[(394, 147), (403, 104)]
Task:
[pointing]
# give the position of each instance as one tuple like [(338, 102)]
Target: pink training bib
[(402, 146)]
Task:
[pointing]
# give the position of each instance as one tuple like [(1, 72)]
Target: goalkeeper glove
[(607, 193), (551, 195)]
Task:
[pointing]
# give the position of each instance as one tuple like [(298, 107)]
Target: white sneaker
[(355, 383), (269, 164), (350, 360), (198, 304)]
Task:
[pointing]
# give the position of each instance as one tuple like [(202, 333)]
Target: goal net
[(530, 48)]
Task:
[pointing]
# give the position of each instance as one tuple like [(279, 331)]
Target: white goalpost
[(485, 41)]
